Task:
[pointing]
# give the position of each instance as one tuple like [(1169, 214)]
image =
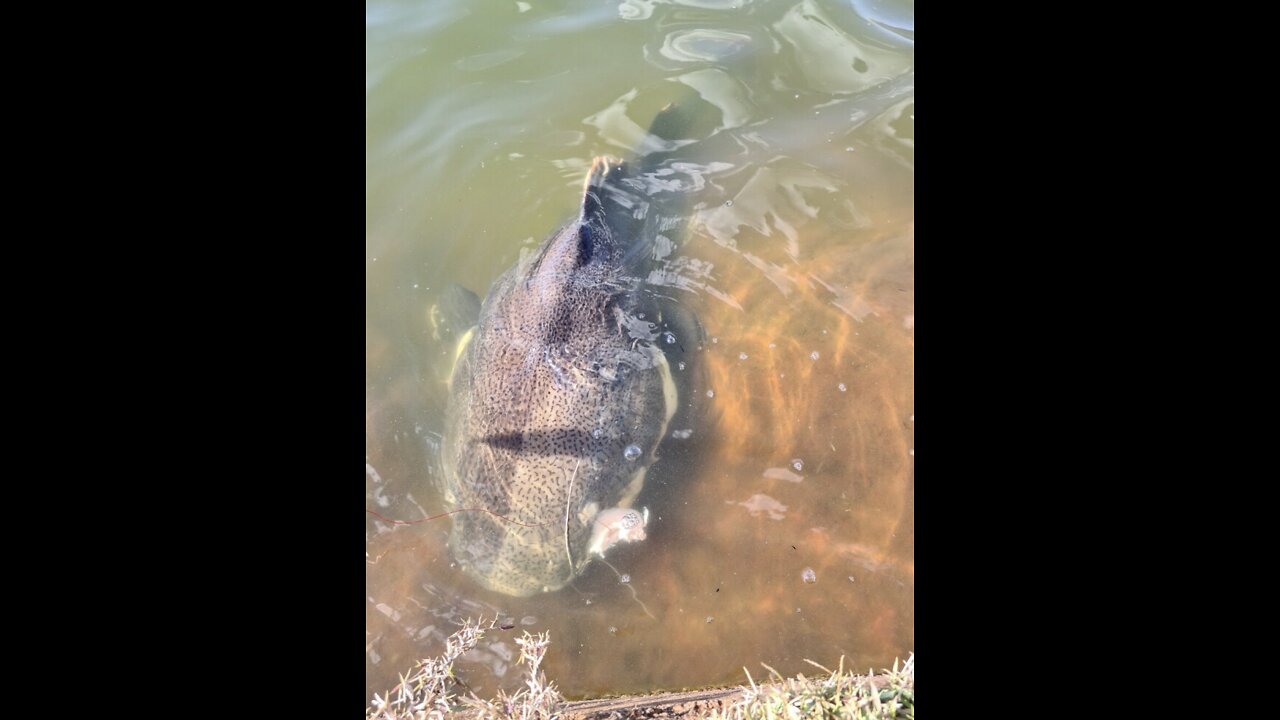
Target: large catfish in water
[(560, 395)]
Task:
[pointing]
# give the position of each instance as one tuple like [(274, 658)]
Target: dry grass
[(839, 695), (432, 691)]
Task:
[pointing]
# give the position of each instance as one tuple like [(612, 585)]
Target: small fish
[(616, 525)]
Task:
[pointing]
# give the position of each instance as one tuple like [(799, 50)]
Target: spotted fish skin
[(554, 391)]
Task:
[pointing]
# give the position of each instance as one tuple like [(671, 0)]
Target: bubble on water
[(597, 433), (842, 387), (680, 365), (640, 315), (711, 393), (589, 599), (849, 149), (797, 610), (613, 630), (851, 578), (797, 463), (742, 356), (415, 286), (813, 355), (681, 434), (727, 203), (632, 452), (625, 578), (715, 340), (709, 618), (808, 575), (670, 338)]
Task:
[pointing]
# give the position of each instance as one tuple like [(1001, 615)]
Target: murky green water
[(482, 120)]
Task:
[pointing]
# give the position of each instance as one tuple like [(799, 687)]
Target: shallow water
[(482, 120)]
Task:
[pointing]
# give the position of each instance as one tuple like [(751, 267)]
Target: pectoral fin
[(457, 310)]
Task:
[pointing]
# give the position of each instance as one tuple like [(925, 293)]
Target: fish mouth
[(601, 166)]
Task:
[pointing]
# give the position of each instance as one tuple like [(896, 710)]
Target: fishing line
[(634, 595)]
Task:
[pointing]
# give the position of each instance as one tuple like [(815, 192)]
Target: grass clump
[(839, 695), (431, 690)]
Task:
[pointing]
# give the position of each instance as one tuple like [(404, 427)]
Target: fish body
[(559, 396)]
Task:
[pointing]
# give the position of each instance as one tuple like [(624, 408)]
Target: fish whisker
[(567, 501)]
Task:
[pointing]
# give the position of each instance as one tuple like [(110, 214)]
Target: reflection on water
[(782, 508)]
